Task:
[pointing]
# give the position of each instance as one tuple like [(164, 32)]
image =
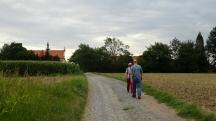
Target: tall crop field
[(37, 68), (42, 98)]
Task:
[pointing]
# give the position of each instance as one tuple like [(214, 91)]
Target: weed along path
[(109, 101)]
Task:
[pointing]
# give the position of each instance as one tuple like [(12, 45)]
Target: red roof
[(59, 53)]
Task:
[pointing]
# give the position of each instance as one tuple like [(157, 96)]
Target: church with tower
[(59, 53)]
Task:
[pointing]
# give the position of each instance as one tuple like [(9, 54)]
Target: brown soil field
[(195, 88)]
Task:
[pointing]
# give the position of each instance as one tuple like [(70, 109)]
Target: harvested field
[(196, 88)]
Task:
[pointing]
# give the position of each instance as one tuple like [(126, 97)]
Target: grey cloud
[(71, 22)]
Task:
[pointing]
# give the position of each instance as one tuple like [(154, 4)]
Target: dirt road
[(109, 101)]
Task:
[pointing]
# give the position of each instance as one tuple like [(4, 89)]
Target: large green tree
[(200, 42), (15, 51), (187, 57), (201, 58), (122, 62), (157, 58), (85, 57), (103, 60), (174, 47), (91, 59), (115, 47), (211, 47), (112, 57), (118, 52)]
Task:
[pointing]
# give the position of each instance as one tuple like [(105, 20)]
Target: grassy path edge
[(183, 108), (43, 98)]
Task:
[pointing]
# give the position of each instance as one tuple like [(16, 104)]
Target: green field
[(36, 68), (43, 98)]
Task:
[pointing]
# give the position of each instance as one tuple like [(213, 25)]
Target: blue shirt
[(137, 71)]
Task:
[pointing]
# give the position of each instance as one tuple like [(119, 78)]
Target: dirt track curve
[(109, 101)]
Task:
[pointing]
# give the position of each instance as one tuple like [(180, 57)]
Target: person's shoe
[(139, 97), (134, 96)]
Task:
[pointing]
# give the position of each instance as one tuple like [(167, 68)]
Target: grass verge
[(43, 98), (183, 108)]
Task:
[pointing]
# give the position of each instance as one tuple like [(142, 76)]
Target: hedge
[(34, 68)]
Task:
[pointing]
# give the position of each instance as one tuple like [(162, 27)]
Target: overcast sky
[(67, 23)]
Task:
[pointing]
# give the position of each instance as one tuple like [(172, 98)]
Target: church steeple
[(47, 46)]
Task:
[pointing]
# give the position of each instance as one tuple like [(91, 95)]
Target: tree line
[(112, 57), (181, 56), (15, 51), (178, 56)]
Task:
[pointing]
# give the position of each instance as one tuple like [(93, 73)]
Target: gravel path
[(109, 101)]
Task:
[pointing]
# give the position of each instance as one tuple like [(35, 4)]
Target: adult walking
[(137, 79), (128, 74)]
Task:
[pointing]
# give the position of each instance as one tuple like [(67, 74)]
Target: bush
[(33, 68)]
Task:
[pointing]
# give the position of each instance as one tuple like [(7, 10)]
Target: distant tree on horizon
[(156, 58), (179, 56), (174, 47), (211, 47), (112, 57), (202, 63), (200, 42), (15, 51), (186, 61), (115, 47)]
